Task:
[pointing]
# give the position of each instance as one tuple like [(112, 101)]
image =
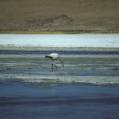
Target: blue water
[(32, 101)]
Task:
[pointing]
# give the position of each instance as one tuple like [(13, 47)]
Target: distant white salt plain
[(61, 40)]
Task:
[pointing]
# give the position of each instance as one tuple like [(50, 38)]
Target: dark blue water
[(19, 100), (77, 52)]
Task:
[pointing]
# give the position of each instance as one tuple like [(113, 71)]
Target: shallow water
[(67, 101), (76, 69), (86, 88)]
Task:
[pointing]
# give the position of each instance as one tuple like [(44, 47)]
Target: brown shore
[(59, 16)]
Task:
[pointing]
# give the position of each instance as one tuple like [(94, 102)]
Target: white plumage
[(53, 56)]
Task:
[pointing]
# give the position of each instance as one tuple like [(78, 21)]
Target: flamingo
[(54, 57)]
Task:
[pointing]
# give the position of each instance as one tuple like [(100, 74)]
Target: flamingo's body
[(54, 57)]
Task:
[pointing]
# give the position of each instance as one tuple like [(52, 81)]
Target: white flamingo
[(55, 57)]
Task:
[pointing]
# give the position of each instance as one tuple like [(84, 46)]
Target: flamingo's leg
[(52, 67)]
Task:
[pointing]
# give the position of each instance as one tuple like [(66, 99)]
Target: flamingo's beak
[(46, 56)]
